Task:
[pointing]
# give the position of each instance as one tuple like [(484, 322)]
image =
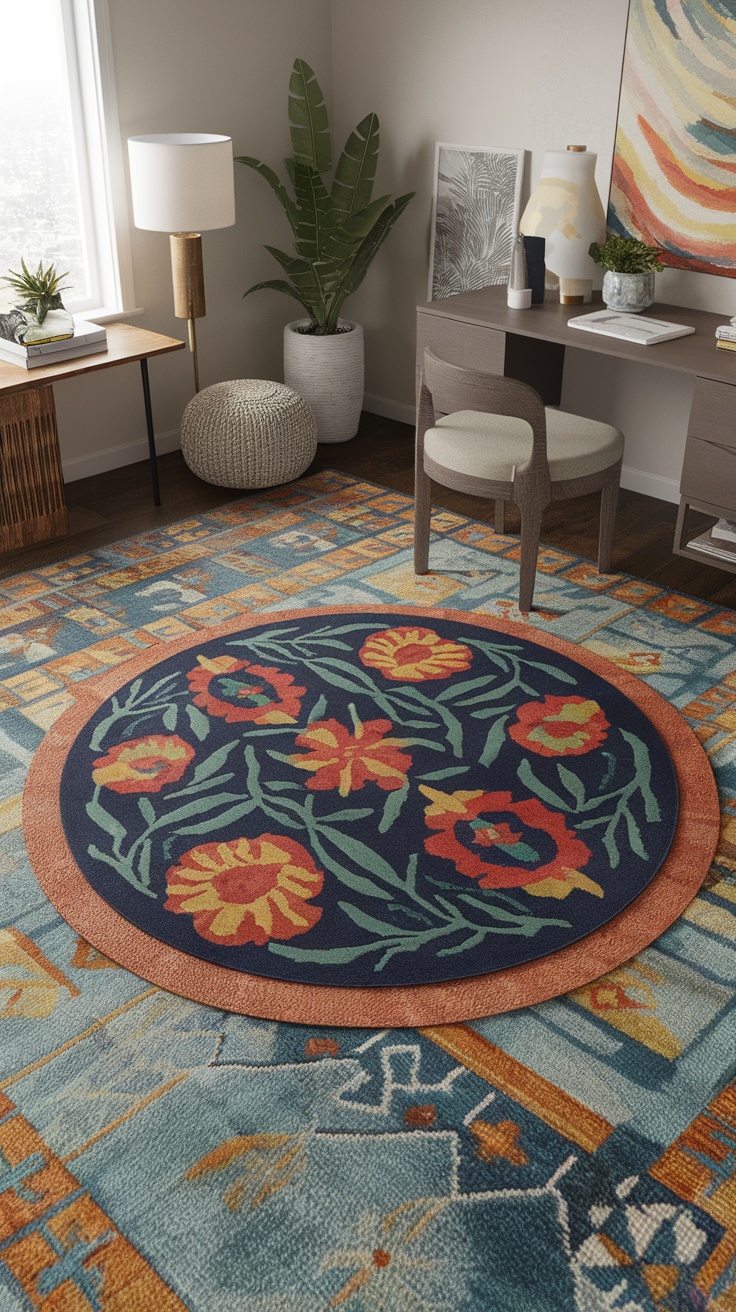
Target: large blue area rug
[(156, 1153)]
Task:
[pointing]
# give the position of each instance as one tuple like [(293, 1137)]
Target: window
[(61, 193)]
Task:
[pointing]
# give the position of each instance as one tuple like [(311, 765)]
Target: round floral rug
[(355, 800)]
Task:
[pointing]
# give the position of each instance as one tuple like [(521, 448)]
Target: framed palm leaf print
[(475, 214)]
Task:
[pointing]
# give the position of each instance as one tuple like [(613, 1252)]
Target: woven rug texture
[(577, 1156)]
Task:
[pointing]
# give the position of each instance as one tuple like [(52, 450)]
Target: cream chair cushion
[(490, 446)]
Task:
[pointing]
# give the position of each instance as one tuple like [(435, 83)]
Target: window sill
[(106, 315)]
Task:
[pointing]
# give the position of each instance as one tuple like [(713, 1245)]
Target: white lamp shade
[(182, 181)]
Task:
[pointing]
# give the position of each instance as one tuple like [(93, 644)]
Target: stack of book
[(88, 338), (726, 336), (718, 541)]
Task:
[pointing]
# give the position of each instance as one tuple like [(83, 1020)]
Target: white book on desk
[(629, 327), (28, 361), (85, 333)]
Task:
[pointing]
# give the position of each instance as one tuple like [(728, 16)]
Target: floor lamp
[(182, 183)]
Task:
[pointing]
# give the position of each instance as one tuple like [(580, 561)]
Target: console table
[(32, 505), (478, 330)]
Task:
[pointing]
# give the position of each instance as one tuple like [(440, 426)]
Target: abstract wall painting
[(475, 214), (674, 170)]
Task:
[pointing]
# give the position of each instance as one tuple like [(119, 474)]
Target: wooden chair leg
[(499, 519), (531, 525), (422, 514), (609, 501)]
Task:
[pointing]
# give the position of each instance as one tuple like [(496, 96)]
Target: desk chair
[(492, 437)]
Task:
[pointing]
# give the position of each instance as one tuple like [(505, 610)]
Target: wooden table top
[(125, 343), (694, 354)]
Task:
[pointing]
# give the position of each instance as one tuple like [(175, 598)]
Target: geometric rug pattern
[(156, 1153)]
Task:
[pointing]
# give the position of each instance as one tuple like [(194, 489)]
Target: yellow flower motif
[(249, 890), (414, 654)]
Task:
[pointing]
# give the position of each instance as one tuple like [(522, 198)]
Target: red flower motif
[(477, 813), (347, 761), (238, 691), (249, 890), (414, 655), (560, 726), (143, 765)]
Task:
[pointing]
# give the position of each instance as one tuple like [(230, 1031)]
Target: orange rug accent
[(661, 902)]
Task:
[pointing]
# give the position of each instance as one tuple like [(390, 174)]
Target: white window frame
[(100, 169)]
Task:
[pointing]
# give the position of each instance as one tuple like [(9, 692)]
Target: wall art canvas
[(475, 215), (674, 171)]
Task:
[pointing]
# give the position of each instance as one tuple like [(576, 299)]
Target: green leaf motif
[(198, 722), (99, 816), (381, 928), (170, 717), (392, 808), (529, 779), (571, 782), (494, 742)]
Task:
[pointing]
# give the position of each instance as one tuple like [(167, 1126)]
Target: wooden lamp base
[(187, 273)]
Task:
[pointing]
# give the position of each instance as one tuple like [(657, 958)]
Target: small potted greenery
[(40, 315), (337, 230), (630, 266)]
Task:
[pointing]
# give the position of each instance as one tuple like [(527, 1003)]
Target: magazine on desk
[(629, 327)]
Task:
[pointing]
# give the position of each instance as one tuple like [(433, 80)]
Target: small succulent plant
[(41, 291), (626, 255)]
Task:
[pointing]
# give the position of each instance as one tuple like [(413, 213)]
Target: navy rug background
[(441, 772)]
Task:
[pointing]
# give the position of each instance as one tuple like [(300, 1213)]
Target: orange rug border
[(649, 915)]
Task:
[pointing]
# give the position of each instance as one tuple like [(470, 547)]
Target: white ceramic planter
[(329, 373), (631, 292)]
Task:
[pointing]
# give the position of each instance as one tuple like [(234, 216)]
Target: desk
[(32, 506), (478, 330)]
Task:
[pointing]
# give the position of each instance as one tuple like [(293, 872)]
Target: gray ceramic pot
[(630, 292)]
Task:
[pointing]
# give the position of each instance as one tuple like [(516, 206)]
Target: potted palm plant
[(337, 230), (630, 266)]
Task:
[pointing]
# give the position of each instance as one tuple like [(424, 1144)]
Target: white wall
[(519, 73), (522, 73), (220, 66)]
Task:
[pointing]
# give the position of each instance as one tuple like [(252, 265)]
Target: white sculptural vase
[(566, 209)]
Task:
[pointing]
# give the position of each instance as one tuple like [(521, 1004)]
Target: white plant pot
[(328, 372)]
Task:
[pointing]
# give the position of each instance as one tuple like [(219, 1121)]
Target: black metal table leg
[(151, 437)]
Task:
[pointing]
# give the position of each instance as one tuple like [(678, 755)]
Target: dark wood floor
[(118, 504)]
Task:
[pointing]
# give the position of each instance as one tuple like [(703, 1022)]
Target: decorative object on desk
[(87, 339), (337, 230), (630, 327), (673, 170), (534, 252), (41, 316), (630, 266), (182, 183), (566, 209), (518, 292), (248, 433), (475, 213)]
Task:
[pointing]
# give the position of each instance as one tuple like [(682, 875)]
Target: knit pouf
[(248, 433)]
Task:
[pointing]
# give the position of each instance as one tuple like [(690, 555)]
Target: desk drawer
[(466, 344), (709, 473), (713, 413)]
